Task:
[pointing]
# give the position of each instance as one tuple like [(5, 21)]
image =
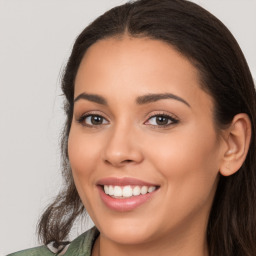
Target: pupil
[(96, 120), (161, 120)]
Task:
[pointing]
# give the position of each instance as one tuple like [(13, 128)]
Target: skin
[(183, 158)]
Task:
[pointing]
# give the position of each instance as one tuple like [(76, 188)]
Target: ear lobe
[(238, 141)]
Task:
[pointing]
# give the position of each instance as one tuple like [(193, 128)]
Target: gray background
[(35, 41)]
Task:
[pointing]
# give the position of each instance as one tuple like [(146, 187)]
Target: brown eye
[(96, 120), (93, 120), (161, 120)]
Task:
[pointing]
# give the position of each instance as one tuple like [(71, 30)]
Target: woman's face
[(144, 129)]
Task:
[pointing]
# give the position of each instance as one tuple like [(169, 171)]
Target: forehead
[(144, 53), (133, 66)]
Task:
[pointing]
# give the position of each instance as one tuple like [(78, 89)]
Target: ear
[(237, 137)]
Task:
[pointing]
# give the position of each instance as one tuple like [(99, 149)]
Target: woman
[(159, 141)]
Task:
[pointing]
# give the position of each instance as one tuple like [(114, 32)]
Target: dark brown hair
[(225, 75)]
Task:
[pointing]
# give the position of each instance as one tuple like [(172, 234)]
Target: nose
[(122, 147)]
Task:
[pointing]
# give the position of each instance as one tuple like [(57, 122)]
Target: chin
[(125, 228), (127, 235)]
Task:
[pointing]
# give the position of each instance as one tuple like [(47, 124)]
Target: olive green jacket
[(81, 246)]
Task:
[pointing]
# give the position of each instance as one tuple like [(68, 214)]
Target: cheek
[(82, 150), (188, 162), (83, 157)]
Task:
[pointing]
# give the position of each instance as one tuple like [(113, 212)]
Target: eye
[(92, 120), (161, 120)]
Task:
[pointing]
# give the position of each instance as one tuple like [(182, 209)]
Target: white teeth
[(136, 191), (127, 191), (144, 190), (106, 189), (110, 190), (151, 189), (118, 191)]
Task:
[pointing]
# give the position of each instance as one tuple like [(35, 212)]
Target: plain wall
[(35, 41)]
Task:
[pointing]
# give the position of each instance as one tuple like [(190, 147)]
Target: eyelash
[(82, 119), (171, 120)]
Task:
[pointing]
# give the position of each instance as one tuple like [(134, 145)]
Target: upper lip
[(123, 182)]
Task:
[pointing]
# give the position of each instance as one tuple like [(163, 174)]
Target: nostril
[(107, 162), (127, 161), (121, 163)]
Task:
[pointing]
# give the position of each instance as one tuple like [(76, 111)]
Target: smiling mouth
[(125, 194), (128, 191)]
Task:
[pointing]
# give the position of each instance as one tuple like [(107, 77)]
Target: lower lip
[(124, 204)]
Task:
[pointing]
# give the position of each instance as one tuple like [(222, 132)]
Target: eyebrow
[(145, 99), (162, 96), (91, 97)]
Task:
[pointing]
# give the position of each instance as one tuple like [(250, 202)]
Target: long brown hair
[(225, 75)]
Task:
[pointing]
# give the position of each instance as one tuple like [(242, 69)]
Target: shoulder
[(82, 245), (37, 251)]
